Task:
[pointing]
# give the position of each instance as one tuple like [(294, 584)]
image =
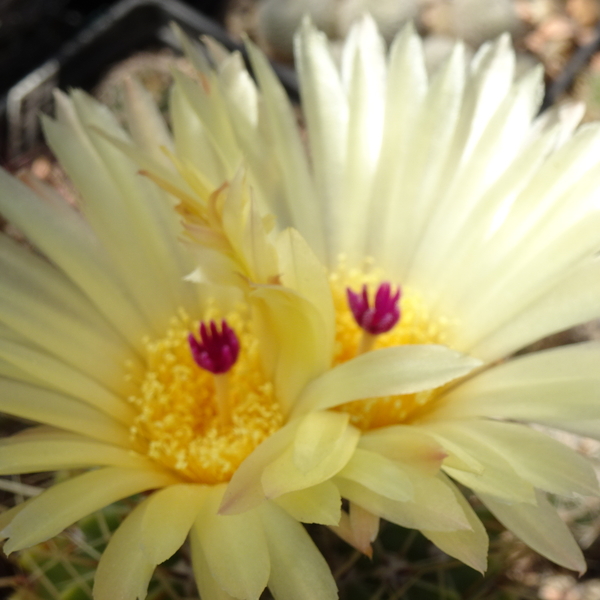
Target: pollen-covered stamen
[(217, 350), (382, 316)]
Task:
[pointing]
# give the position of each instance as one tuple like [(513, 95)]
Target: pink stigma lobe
[(216, 351), (384, 313)]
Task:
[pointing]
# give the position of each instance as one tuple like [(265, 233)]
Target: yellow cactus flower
[(330, 326)]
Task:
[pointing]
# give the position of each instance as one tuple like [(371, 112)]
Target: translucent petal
[(47, 371), (395, 370), (541, 528), (298, 571), (42, 305), (67, 502), (378, 473), (498, 476), (320, 503), (207, 585), (572, 301), (330, 450), (325, 108), (297, 186), (64, 237), (406, 444), (469, 546), (551, 386), (302, 271), (434, 506), (245, 490), (33, 456), (536, 457), (363, 72), (235, 548), (290, 330), (44, 406), (151, 534)]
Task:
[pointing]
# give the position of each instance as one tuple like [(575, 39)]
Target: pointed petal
[(298, 571), (320, 503), (65, 503), (541, 528), (235, 548), (396, 370), (469, 546)]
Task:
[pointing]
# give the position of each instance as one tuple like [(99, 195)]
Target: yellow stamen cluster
[(178, 421), (416, 326)]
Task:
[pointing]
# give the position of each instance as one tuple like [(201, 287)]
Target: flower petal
[(384, 372), (23, 455), (541, 528), (469, 546), (298, 571), (312, 459), (549, 387), (145, 539), (320, 503), (44, 406), (64, 503), (290, 329), (379, 474), (434, 506), (235, 548)]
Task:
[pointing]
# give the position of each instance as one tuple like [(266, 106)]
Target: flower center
[(180, 418), (414, 325)]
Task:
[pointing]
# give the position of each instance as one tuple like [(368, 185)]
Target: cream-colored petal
[(124, 572), (151, 534), (32, 456), (378, 473), (65, 503), (424, 180), (320, 503), (47, 371), (363, 73), (406, 89), (298, 571), (145, 122), (541, 528), (537, 458), (302, 271), (384, 372), (434, 506), (193, 143), (41, 304), (297, 187), (573, 300), (325, 109), (551, 386), (207, 585), (120, 205), (469, 546), (365, 527), (303, 465), (44, 406), (498, 476), (235, 547), (245, 491), (406, 444), (168, 518), (59, 231), (290, 331)]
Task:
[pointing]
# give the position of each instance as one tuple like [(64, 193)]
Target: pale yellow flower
[(485, 214), (448, 189), (95, 346)]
